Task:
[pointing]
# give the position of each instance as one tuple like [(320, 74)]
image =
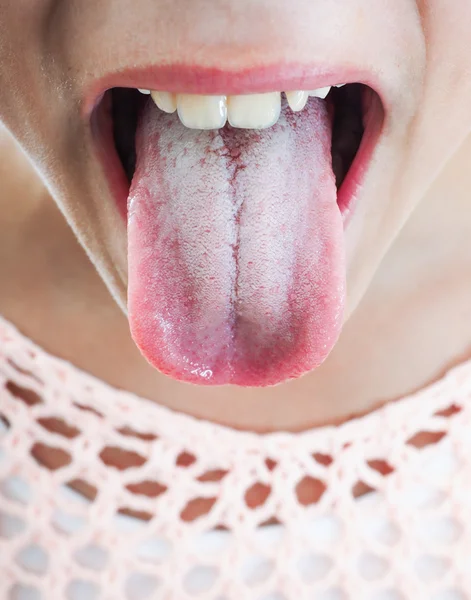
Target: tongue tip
[(242, 377), (270, 367)]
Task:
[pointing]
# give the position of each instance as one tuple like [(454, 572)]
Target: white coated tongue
[(235, 248)]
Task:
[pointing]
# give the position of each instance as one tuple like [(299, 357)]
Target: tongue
[(235, 247)]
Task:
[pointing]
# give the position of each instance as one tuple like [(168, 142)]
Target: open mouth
[(236, 207)]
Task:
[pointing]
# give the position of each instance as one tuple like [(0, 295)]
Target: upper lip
[(191, 79), (186, 79)]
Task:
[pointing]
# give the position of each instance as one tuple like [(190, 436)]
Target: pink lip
[(190, 79)]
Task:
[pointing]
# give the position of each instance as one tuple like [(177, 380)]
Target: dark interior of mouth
[(345, 103)]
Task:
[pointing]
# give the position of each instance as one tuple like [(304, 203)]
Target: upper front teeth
[(321, 92), (254, 111), (251, 111), (297, 100), (202, 112), (165, 101)]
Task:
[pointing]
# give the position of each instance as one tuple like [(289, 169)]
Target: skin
[(408, 250)]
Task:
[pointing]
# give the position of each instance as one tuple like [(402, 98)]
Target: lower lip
[(102, 133)]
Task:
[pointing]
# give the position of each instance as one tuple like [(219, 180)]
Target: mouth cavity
[(348, 106), (235, 224)]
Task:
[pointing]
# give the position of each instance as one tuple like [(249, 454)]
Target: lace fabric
[(371, 509)]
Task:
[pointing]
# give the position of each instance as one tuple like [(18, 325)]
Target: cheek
[(441, 124), (19, 57), (445, 117)]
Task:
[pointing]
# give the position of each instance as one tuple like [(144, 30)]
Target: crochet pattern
[(372, 509)]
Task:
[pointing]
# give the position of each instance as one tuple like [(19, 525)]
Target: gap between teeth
[(251, 111)]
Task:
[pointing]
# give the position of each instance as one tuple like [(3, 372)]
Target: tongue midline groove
[(345, 105)]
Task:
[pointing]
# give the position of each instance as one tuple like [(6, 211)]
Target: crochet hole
[(442, 530), (26, 395), (388, 594), (451, 411), (257, 495), (423, 439), (381, 466), (268, 522), (140, 586), (185, 459), (270, 464), (310, 490), (360, 488), (214, 476), (211, 543), (89, 409), (22, 371), (67, 524), (16, 489), (121, 459), (197, 508), (449, 594), (92, 557), (333, 594), (59, 426), (84, 488), (79, 589), (256, 570), (431, 568), (33, 559), (314, 567), (323, 459), (50, 457), (154, 550), (10, 526), (24, 592), (200, 580), (380, 530), (145, 437), (138, 515), (326, 530), (372, 567), (151, 489)]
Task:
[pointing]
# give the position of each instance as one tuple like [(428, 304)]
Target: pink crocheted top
[(205, 511)]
